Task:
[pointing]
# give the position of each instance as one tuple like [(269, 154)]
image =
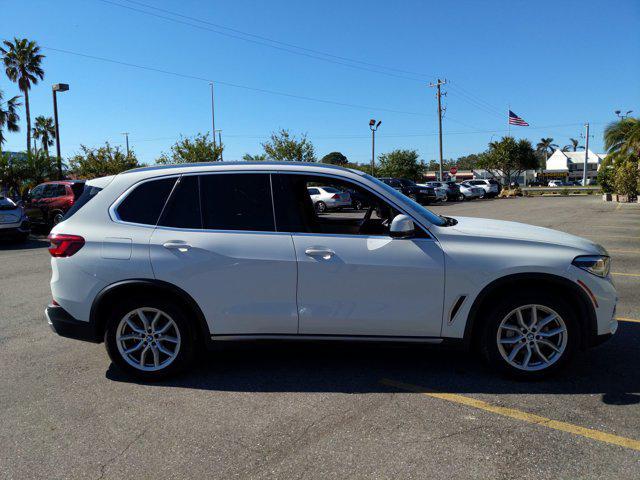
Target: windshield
[(428, 214), (6, 203)]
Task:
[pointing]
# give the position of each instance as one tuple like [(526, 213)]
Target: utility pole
[(213, 122), (58, 87), (439, 96), (586, 157), (126, 136)]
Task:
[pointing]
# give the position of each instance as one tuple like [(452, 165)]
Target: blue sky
[(558, 64)]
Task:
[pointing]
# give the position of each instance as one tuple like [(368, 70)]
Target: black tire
[(187, 345), (496, 313), (56, 218), (357, 205), (321, 207)]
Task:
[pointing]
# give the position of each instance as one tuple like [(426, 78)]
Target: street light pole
[(373, 126), (220, 143), (213, 121), (58, 87)]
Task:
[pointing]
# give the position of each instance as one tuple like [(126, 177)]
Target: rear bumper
[(65, 325), (15, 230)]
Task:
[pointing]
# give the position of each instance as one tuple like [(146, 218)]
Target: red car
[(47, 203)]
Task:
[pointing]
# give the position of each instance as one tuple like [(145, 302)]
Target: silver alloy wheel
[(532, 337), (57, 218), (148, 339)]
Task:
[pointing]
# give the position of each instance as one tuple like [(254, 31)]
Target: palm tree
[(546, 146), (9, 117), (575, 145), (45, 131), (22, 60), (622, 137)]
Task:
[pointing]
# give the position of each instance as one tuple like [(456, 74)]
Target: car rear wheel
[(321, 207), (149, 338), (57, 218), (531, 335)]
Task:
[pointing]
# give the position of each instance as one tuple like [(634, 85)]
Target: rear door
[(216, 240)]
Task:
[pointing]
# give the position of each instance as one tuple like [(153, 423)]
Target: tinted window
[(77, 188), (87, 194), (49, 191), (37, 192), (183, 208), (237, 202), (331, 190), (314, 191), (145, 202)]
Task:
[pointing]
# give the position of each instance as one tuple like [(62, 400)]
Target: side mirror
[(402, 227)]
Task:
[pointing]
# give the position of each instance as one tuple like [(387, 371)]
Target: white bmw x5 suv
[(160, 261)]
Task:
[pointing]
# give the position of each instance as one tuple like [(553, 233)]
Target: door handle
[(176, 245), (320, 252)]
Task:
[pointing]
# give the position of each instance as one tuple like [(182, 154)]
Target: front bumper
[(65, 325)]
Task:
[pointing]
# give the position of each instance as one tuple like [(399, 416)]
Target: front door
[(353, 278), (216, 240)]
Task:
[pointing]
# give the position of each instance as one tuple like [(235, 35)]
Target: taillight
[(64, 245), (336, 196)]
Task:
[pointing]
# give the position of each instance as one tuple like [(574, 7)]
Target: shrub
[(626, 178), (606, 176)]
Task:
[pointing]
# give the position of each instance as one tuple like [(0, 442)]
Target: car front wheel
[(531, 335), (149, 338)]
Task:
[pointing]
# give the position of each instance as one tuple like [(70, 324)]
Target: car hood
[(485, 227)]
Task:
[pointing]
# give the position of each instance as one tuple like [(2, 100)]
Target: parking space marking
[(624, 251), (615, 226), (626, 274), (519, 415), (625, 319)]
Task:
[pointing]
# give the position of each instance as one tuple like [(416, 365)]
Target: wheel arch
[(574, 294), (99, 309)]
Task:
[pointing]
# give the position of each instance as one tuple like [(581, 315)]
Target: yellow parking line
[(625, 319), (519, 415), (626, 274)]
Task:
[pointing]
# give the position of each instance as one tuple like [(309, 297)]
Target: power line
[(258, 42), (261, 37), (229, 84)]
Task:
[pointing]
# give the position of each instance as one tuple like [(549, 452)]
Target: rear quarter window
[(145, 202), (86, 196)]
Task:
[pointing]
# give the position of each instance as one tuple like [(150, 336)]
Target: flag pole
[(508, 122)]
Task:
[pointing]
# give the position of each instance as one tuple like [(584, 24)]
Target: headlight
[(596, 264)]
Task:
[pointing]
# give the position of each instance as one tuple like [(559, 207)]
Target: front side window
[(144, 204), (239, 201), (37, 192), (348, 209)]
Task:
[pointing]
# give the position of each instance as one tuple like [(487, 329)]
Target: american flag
[(516, 120)]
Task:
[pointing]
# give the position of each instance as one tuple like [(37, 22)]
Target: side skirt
[(345, 338)]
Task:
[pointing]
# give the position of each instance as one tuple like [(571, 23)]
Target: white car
[(555, 183), (159, 261), (441, 192), (328, 198), (470, 192), (14, 224), (491, 187)]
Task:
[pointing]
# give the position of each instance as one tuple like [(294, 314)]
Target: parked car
[(159, 261), (47, 203), (441, 192), (470, 192), (453, 190), (328, 198), (14, 224), (491, 187), (422, 195), (559, 183), (358, 200)]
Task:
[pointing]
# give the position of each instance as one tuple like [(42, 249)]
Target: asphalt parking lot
[(324, 410)]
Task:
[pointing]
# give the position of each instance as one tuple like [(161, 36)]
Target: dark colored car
[(47, 203), (358, 200), (422, 195)]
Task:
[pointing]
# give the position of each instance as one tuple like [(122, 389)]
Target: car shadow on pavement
[(609, 370), (30, 244)]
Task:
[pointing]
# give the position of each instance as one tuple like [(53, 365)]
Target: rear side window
[(144, 204), (183, 208), (237, 202), (87, 194), (77, 188)]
